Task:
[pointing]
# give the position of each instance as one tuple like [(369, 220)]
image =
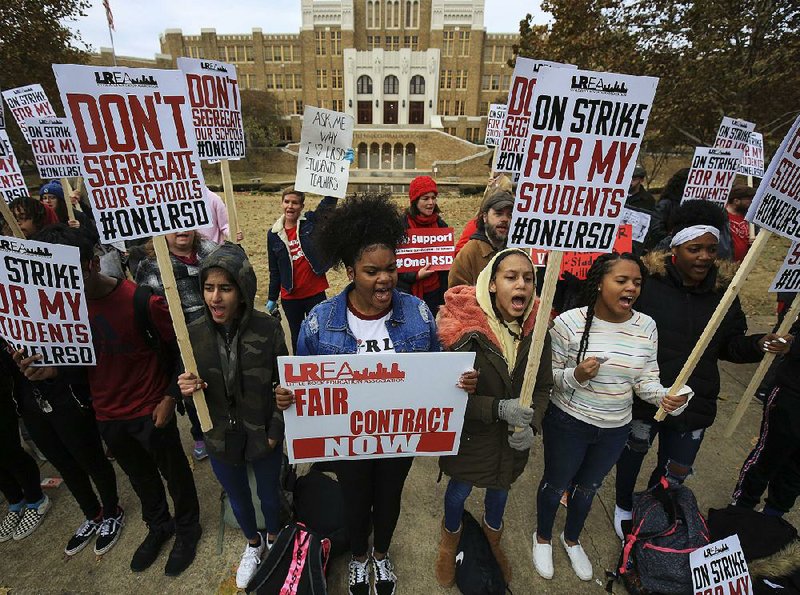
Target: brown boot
[(446, 558), (494, 537)]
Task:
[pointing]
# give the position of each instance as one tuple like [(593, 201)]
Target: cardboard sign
[(788, 277), (579, 263), (12, 184), (433, 248), (28, 102), (733, 134), (42, 305), (324, 140), (510, 153), (494, 125), (53, 148), (584, 141), (719, 568), (374, 405), (712, 174), (753, 159), (216, 108), (776, 205), (138, 153), (639, 222)]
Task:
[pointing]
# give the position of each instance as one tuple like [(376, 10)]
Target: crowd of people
[(605, 367)]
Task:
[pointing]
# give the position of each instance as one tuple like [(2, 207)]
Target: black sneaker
[(146, 554), (109, 531), (182, 554), (82, 537), (358, 577), (385, 579)]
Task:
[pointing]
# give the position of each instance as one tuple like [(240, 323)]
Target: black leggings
[(296, 311), (19, 473)]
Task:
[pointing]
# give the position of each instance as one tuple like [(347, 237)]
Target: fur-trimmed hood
[(659, 263)]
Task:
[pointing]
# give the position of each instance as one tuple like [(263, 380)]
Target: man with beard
[(490, 237), (738, 204)]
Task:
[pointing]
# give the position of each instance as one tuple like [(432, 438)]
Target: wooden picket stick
[(179, 323), (724, 305), (67, 188), (230, 202), (761, 371), (540, 327), (10, 219), (79, 188)]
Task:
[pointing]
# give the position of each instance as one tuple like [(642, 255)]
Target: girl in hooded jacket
[(494, 320)]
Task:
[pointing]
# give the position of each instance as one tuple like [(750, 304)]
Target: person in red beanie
[(423, 213)]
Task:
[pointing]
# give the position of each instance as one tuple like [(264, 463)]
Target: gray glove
[(521, 440), (509, 410)]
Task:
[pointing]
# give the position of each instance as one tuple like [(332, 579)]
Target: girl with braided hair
[(601, 354)]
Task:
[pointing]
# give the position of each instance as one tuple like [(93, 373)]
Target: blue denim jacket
[(325, 332)]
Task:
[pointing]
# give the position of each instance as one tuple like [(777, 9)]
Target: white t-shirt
[(370, 332)]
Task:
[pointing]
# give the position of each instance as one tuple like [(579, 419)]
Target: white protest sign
[(137, 147), (28, 102), (733, 134), (776, 205), (324, 140), (719, 568), (12, 184), (788, 277), (584, 141), (374, 405), (639, 222), (42, 305), (712, 174), (53, 148), (753, 159), (494, 124), (216, 108), (510, 151)]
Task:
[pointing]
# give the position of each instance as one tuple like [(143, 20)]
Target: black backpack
[(477, 571), (318, 504)]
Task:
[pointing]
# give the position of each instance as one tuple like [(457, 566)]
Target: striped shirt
[(631, 347)]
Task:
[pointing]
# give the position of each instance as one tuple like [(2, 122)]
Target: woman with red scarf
[(423, 213)]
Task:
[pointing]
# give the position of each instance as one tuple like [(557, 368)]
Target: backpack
[(666, 527), (477, 571), (295, 565), (318, 504)]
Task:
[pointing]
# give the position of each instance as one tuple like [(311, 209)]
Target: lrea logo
[(597, 84), (213, 66), (314, 372), (110, 78)]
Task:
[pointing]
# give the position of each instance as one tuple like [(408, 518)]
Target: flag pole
[(110, 22)]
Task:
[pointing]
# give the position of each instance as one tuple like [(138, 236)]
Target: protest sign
[(432, 248), (53, 148), (42, 305), (494, 124), (138, 153), (374, 405), (639, 222), (12, 184), (28, 102), (753, 159), (577, 264), (712, 174), (788, 277), (324, 140), (733, 134), (720, 568), (510, 151)]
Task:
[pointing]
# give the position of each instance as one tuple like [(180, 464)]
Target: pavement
[(37, 564)]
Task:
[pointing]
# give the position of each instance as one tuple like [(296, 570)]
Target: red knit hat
[(421, 185)]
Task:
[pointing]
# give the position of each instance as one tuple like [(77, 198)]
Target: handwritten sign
[(639, 222), (733, 134), (712, 174), (494, 125), (28, 102), (53, 148), (584, 140), (432, 248), (788, 277), (719, 568), (137, 150), (753, 159), (324, 140), (42, 305), (374, 405), (216, 108), (12, 184)]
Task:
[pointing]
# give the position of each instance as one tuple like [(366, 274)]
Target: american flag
[(109, 16)]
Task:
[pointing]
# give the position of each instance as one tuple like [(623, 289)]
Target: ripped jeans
[(676, 454), (577, 457)]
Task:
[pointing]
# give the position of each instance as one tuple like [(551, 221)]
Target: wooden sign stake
[(179, 323), (230, 202), (11, 220), (67, 188)]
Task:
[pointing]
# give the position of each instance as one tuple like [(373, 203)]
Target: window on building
[(373, 42), (450, 130), (336, 79), (463, 43), (274, 81), (391, 85), (322, 79), (278, 81), (337, 105), (446, 79), (506, 82), (490, 82), (392, 14), (473, 135), (484, 108), (320, 43), (412, 13), (373, 14), (336, 43), (285, 133), (448, 41), (458, 107), (461, 79), (392, 42), (412, 42), (364, 85), (194, 51), (417, 85), (298, 106), (488, 53), (444, 107)]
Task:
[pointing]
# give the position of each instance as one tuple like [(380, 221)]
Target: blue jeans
[(236, 485), (676, 454), (577, 456), (456, 495)]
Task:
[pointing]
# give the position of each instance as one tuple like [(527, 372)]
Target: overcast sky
[(140, 22)]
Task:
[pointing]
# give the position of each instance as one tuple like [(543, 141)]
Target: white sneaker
[(358, 577), (543, 558), (580, 561), (248, 565), (620, 515)]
